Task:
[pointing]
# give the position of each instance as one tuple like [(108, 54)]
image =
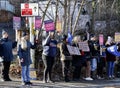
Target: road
[(81, 84)]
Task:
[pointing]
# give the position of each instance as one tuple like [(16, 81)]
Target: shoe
[(7, 80), (29, 83), (50, 81), (1, 80), (67, 80), (76, 79), (113, 77), (44, 81), (23, 83), (88, 79)]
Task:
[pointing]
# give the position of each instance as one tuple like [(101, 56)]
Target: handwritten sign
[(73, 50), (84, 46)]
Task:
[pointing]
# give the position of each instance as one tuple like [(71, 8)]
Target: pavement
[(102, 83)]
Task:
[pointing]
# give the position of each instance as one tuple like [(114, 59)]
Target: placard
[(73, 50), (49, 25), (117, 37), (84, 46), (16, 23), (38, 22)]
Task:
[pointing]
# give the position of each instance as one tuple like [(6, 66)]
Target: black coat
[(7, 46)]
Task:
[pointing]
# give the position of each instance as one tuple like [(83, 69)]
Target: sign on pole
[(16, 23), (29, 9), (101, 39), (49, 25)]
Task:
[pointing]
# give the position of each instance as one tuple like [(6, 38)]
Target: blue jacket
[(25, 54), (50, 47), (7, 46)]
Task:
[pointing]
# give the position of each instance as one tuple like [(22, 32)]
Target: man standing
[(7, 46)]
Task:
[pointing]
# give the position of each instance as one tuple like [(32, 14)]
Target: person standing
[(95, 54), (65, 58), (110, 59), (7, 46), (25, 59), (77, 60), (48, 56)]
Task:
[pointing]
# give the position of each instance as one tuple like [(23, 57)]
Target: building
[(7, 10)]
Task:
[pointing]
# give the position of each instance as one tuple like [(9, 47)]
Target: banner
[(101, 39), (117, 37), (113, 50), (84, 46), (49, 25), (16, 23), (38, 22), (73, 50)]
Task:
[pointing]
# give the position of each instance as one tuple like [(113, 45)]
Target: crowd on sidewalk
[(95, 60)]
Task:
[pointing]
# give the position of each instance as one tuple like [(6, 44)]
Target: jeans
[(110, 68), (25, 73)]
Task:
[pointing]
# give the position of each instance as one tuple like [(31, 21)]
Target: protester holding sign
[(77, 60), (95, 54), (87, 61), (110, 58), (65, 58)]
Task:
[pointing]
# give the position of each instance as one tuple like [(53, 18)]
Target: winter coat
[(7, 46), (25, 54), (50, 47)]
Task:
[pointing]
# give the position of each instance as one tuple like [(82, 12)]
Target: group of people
[(24, 46), (93, 60)]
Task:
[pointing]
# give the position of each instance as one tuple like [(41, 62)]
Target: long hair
[(23, 43)]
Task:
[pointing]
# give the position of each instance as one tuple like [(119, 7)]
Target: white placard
[(73, 50), (84, 46)]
